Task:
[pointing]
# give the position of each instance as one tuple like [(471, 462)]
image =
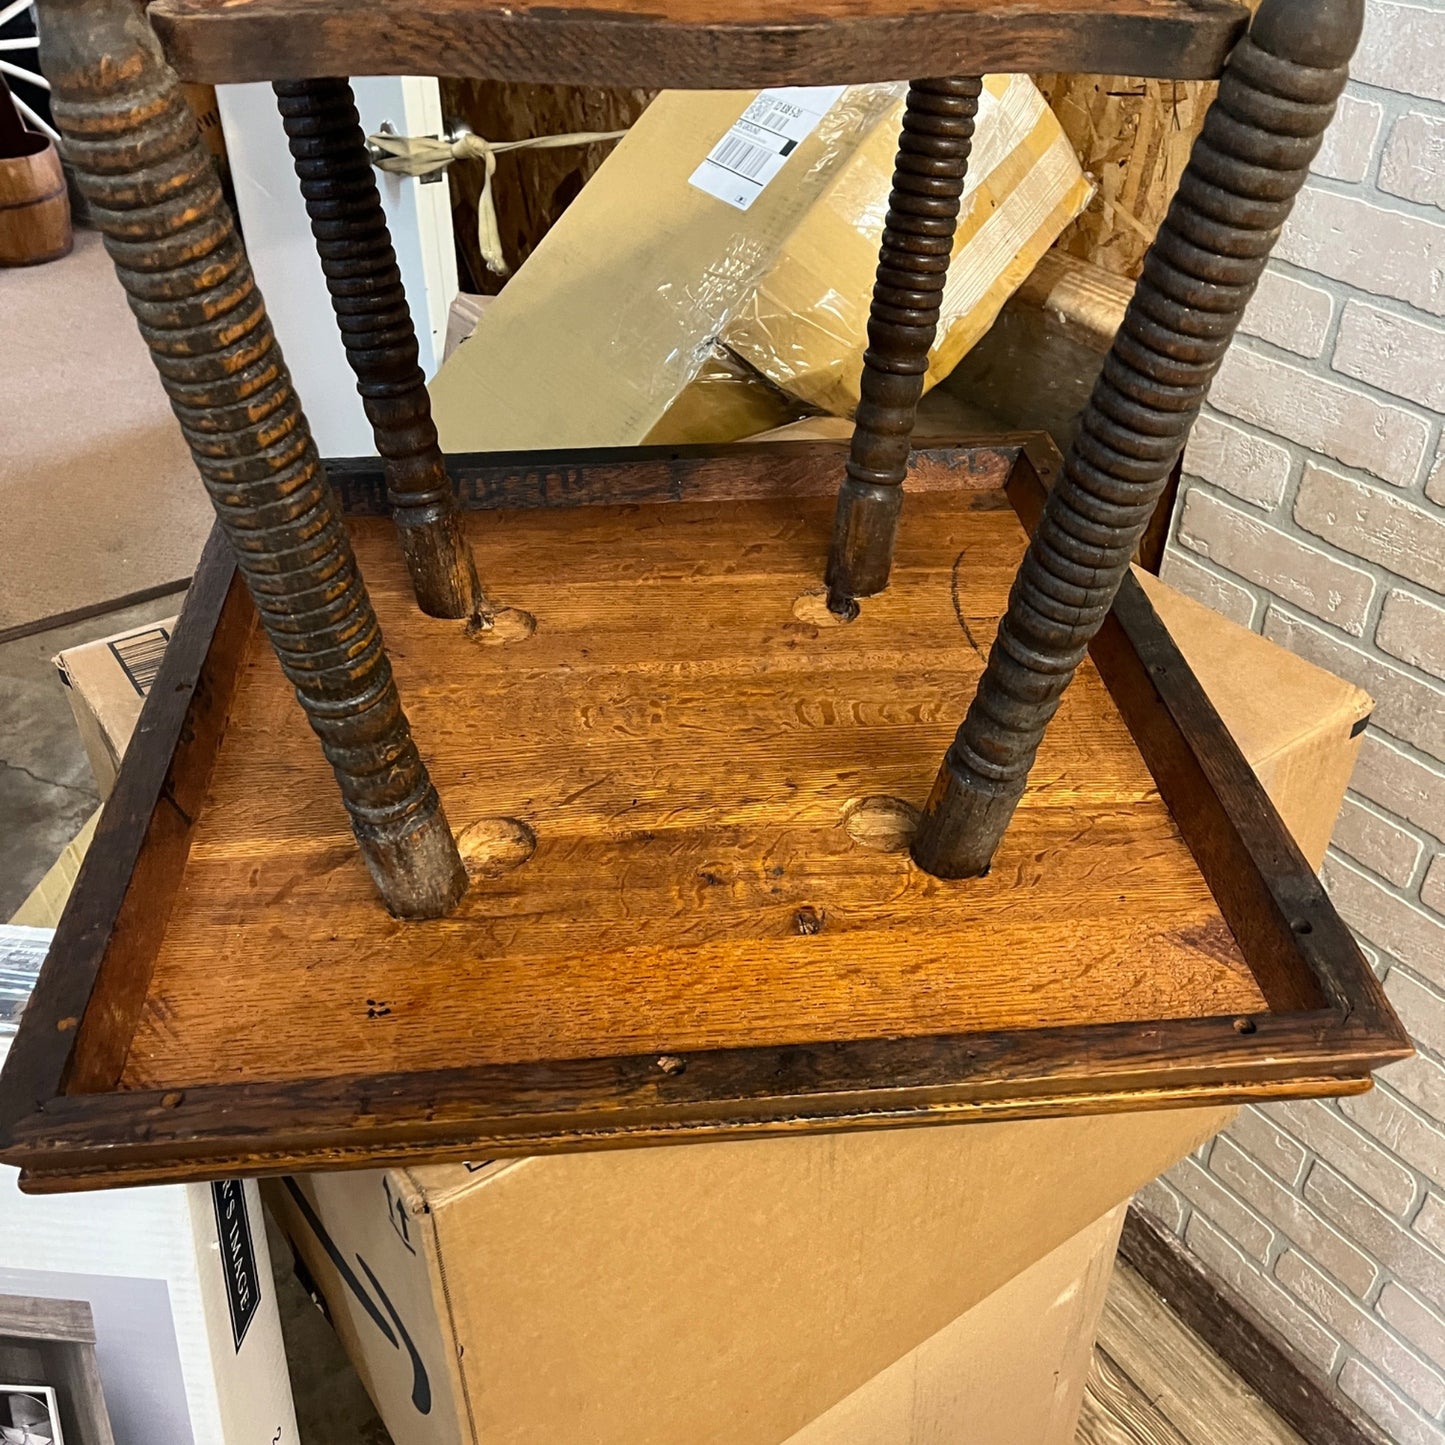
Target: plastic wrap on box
[(620, 307), (804, 324), (655, 310)]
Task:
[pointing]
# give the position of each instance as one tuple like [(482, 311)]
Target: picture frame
[(29, 1415)]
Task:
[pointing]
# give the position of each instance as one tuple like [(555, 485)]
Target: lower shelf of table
[(683, 794)]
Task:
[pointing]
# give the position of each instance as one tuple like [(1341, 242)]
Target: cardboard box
[(972, 1383), (1299, 726), (804, 325), (176, 1280), (106, 682), (43, 907), (732, 1292), (655, 311)]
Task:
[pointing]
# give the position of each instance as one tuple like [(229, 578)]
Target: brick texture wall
[(1314, 512)]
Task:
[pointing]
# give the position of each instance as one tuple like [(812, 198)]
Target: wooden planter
[(34, 207), (664, 766)]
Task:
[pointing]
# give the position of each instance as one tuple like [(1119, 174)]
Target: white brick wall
[(1313, 510)]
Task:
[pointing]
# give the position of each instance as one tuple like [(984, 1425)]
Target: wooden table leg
[(918, 235), (1277, 96), (153, 192), (337, 182)]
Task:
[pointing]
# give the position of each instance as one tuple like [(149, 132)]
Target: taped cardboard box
[(733, 1293), (106, 683), (965, 1386), (656, 311), (804, 326)]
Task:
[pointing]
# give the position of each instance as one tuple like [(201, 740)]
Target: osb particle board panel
[(1133, 136)]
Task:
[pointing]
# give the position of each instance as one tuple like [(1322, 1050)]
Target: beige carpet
[(98, 496)]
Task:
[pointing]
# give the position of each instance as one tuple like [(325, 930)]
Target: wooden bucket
[(34, 208)]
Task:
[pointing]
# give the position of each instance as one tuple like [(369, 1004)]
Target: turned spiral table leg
[(918, 236), (329, 150), (154, 194), (1276, 97)]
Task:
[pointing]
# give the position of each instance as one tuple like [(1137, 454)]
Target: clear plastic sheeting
[(654, 311), (804, 324), (620, 307), (22, 951)]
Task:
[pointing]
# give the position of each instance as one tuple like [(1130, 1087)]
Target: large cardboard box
[(1011, 1371), (729, 1293), (1299, 726), (655, 311)]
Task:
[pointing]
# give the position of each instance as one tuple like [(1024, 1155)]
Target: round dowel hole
[(812, 608), (887, 824), (510, 624), (808, 920), (493, 846)]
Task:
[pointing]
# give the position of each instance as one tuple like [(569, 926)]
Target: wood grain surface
[(685, 750), (693, 44)]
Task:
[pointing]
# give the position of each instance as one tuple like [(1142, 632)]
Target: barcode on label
[(759, 142), (140, 656), (735, 154)]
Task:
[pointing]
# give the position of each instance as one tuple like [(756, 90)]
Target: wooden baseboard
[(1241, 1339)]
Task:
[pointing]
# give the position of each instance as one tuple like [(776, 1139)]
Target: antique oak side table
[(698, 882)]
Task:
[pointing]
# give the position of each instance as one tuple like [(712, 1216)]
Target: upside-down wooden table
[(692, 890)]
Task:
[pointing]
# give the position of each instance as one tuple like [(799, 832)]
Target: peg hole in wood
[(881, 822), (509, 624), (812, 608), (1244, 1026), (808, 920), (1302, 926), (491, 847)]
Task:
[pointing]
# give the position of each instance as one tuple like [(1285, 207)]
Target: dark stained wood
[(134, 817), (744, 471), (808, 1079), (1276, 906), (357, 259), (693, 44), (1246, 1343), (154, 193), (1275, 100), (918, 231)]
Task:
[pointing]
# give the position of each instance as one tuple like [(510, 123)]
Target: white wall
[(278, 240)]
